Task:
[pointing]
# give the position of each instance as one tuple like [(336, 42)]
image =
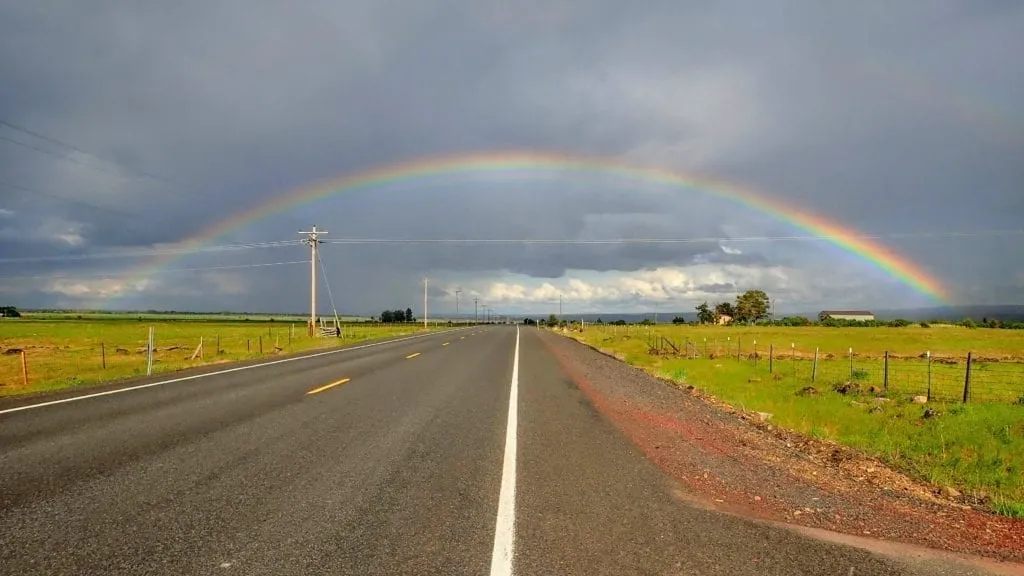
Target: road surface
[(399, 458)]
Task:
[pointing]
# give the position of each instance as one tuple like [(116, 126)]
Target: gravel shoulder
[(735, 462)]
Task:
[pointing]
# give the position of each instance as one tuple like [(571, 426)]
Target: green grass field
[(70, 353), (976, 447)]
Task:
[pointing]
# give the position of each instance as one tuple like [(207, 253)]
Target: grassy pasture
[(977, 447), (70, 353)]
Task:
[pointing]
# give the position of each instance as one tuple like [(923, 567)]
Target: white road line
[(209, 374), (505, 526)]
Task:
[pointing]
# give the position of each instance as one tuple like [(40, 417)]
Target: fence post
[(248, 345), (771, 358), (792, 357), (202, 350), (261, 344), (739, 345), (885, 376), (814, 367), (24, 368), (755, 354), (851, 364), (928, 355), (967, 379), (103, 355), (149, 355), (705, 347)]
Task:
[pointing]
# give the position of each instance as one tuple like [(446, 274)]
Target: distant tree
[(9, 312), (705, 315), (968, 323), (823, 316), (552, 321), (619, 322), (752, 306), (408, 314), (387, 317), (679, 320), (724, 309), (925, 325), (795, 321), (599, 321), (899, 323), (646, 322)]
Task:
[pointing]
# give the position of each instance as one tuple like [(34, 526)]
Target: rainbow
[(533, 164)]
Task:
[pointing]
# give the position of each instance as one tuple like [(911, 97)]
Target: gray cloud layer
[(891, 118)]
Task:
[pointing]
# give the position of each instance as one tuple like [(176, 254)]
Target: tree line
[(390, 316)]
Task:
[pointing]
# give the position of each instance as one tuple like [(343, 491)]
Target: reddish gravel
[(733, 462)]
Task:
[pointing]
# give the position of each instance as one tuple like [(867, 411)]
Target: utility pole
[(457, 292), (476, 310), (559, 306), (312, 240), (424, 302), (773, 311)]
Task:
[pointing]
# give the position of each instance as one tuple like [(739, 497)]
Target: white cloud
[(5, 213), (730, 250), (90, 289)]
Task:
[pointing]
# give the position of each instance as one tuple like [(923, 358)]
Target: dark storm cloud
[(889, 118)]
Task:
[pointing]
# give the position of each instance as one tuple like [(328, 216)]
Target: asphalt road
[(408, 465)]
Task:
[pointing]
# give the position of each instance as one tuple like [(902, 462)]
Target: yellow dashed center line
[(328, 387), (411, 356)]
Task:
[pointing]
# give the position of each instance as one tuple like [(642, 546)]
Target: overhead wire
[(123, 170), (327, 283), (99, 207), (694, 240), (141, 253), (160, 271)]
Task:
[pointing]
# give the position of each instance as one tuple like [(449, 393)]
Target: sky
[(128, 128)]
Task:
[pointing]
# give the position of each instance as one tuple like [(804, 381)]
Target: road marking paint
[(462, 337), (328, 387), (505, 525), (411, 356), (209, 374), (446, 343)]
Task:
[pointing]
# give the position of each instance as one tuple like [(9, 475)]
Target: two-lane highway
[(399, 458)]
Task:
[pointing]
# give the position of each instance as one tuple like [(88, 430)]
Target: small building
[(724, 319), (855, 315)]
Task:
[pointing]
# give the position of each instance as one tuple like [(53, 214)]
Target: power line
[(21, 188), (151, 252), (59, 156), (94, 155), (160, 271), (485, 241), (696, 240)]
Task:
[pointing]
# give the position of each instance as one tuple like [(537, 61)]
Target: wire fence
[(945, 377), (47, 365)]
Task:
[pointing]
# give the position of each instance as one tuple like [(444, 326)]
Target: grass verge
[(75, 353), (976, 448)]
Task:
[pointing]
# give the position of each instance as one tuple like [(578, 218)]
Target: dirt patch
[(744, 464)]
